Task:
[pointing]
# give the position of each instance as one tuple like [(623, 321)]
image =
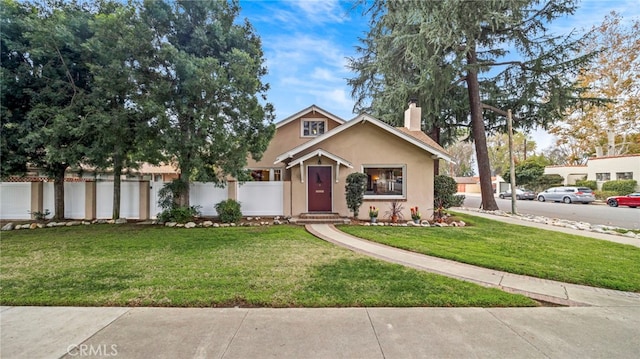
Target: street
[(623, 217)]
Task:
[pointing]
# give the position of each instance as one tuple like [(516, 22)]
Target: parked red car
[(632, 200)]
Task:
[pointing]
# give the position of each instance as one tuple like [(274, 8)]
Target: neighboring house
[(314, 151), (600, 169), (472, 184)]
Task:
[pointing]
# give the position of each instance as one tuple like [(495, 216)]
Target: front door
[(319, 188)]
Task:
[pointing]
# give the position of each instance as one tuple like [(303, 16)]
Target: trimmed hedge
[(585, 183), (620, 187)]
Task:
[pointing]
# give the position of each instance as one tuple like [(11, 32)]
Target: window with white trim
[(624, 175), (267, 174), (385, 181), (312, 128), (605, 176)]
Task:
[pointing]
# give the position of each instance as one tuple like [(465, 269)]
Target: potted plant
[(415, 214), (395, 211), (373, 214)]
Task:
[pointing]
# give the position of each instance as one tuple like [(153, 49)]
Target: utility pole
[(512, 171)]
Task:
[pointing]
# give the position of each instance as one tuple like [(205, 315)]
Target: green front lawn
[(282, 266), (519, 249)]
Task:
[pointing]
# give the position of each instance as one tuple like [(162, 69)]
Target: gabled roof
[(320, 152), (417, 138), (312, 108)]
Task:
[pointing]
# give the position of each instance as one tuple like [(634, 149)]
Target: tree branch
[(494, 109)]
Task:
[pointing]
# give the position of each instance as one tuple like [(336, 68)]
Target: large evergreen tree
[(208, 78), (120, 56), (468, 62), (48, 83)]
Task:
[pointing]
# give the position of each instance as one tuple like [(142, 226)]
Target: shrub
[(444, 192), (354, 191), (40, 216), (602, 195), (590, 184), (546, 181), (179, 214), (229, 211), (620, 187)]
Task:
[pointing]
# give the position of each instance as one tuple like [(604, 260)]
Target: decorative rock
[(86, 223), (249, 218), (224, 225), (121, 221), (207, 224), (7, 227), (39, 225), (277, 222), (61, 224), (51, 224), (367, 224), (216, 225), (232, 224), (33, 226), (170, 224), (111, 221), (73, 223), (630, 234), (190, 225)]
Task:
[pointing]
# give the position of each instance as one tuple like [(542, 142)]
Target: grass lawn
[(280, 266), (519, 249)]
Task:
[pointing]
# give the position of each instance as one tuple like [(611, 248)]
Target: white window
[(313, 128), (385, 181), (624, 175), (271, 174), (603, 176)]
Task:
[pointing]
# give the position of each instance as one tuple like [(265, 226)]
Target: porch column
[(301, 171)]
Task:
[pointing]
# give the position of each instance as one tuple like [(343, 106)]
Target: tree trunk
[(479, 135), (183, 198), (58, 190), (117, 185), (435, 135)]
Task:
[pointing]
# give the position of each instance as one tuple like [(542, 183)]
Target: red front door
[(319, 188)]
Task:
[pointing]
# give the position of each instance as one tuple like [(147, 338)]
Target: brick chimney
[(413, 116)]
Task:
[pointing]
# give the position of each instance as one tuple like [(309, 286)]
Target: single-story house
[(302, 172), (472, 184), (313, 152), (600, 169)]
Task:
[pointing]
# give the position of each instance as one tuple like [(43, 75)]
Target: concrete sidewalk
[(544, 332), (536, 288)]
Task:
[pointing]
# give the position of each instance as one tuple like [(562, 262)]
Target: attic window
[(313, 128)]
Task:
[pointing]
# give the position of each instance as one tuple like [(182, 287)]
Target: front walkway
[(539, 289)]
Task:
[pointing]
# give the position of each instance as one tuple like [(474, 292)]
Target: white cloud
[(324, 11)]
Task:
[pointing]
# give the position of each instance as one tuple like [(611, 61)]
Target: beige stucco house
[(600, 169), (313, 152)]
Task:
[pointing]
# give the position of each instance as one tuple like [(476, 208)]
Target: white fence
[(15, 200), (129, 200), (261, 198), (256, 198)]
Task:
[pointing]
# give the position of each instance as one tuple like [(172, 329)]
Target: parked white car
[(567, 195)]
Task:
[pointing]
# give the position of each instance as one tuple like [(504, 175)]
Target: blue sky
[(307, 42)]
